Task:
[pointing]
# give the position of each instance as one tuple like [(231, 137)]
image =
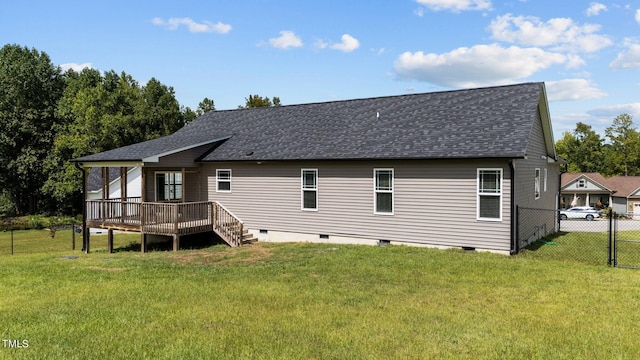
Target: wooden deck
[(164, 218)]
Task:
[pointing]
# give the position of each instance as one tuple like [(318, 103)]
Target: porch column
[(184, 182), (123, 193), (123, 183), (586, 200), (143, 184), (85, 230)]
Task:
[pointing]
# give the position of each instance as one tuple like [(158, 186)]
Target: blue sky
[(587, 52)]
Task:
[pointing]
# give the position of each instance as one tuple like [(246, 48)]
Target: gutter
[(514, 211)]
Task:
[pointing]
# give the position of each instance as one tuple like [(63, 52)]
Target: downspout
[(514, 213), (84, 205)]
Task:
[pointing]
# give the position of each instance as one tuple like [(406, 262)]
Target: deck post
[(176, 242), (110, 241), (143, 242), (87, 245)]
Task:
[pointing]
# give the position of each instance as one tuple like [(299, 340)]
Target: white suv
[(580, 212)]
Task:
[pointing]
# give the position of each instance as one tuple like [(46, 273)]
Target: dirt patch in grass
[(102, 268), (246, 255)]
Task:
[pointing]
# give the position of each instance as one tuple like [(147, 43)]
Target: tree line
[(48, 117), (617, 153)]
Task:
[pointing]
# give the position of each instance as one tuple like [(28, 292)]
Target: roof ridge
[(261, 108)]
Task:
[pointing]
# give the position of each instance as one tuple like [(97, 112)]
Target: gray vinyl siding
[(434, 201), (530, 221), (525, 173)]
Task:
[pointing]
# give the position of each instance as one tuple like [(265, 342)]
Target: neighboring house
[(442, 169), (96, 185), (621, 193)]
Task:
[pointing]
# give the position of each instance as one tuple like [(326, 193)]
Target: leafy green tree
[(100, 113), (254, 101), (583, 149), (158, 113), (30, 87), (188, 115), (622, 158), (205, 106)]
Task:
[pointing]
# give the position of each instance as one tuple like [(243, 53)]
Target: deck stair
[(248, 238)]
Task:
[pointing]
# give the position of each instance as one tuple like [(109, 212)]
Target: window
[(383, 191), (309, 189), (223, 180), (537, 184), (489, 205), (168, 186), (582, 183)]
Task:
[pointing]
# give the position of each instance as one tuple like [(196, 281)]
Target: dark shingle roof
[(492, 122)]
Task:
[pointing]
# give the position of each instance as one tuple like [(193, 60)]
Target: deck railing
[(114, 211), (227, 225), (166, 218), (176, 218)]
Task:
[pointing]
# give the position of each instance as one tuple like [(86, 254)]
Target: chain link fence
[(22, 237), (568, 239), (626, 241)]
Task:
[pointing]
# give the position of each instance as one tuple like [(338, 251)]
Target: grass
[(315, 301)]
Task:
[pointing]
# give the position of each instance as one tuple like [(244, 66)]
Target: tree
[(624, 139), (583, 149), (100, 113), (158, 113), (205, 106), (254, 101), (30, 87)]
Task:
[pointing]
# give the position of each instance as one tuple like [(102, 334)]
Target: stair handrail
[(229, 211), (234, 236)]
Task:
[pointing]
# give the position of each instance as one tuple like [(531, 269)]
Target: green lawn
[(314, 301)]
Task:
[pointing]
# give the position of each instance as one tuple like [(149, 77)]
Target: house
[(441, 169), (621, 193), (95, 183)]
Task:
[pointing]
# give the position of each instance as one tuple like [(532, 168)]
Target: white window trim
[(376, 191), (303, 189), (537, 184), (218, 180), (582, 183), (478, 194), (155, 182), (546, 173)]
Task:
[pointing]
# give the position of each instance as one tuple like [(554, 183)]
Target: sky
[(586, 52)]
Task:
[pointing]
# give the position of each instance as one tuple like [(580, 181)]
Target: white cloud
[(573, 89), (286, 40), (75, 67), (638, 16), (319, 44), (419, 12), (192, 26), (629, 59), (479, 65), (348, 44), (456, 5), (562, 33), (612, 111), (595, 8)]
